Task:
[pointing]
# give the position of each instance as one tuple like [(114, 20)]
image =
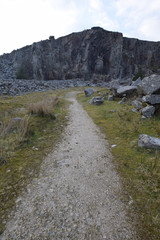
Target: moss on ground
[(139, 168), (23, 158)]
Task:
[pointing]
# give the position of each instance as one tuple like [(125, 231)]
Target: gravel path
[(77, 193)]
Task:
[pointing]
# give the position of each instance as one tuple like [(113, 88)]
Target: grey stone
[(88, 92), (134, 110), (125, 81), (91, 53), (146, 141), (137, 82), (122, 101), (137, 104), (17, 119), (110, 97), (96, 100), (148, 111), (150, 85), (105, 94), (127, 90), (151, 99)]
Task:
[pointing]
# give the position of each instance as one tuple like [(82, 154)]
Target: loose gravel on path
[(77, 193)]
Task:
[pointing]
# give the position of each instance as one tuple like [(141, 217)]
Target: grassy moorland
[(139, 168), (30, 126)]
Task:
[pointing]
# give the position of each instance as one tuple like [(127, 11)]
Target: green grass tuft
[(26, 142)]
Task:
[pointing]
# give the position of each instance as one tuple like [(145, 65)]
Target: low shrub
[(44, 108)]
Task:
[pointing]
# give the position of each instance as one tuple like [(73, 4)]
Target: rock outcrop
[(94, 54)]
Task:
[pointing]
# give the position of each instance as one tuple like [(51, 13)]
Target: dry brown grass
[(44, 108)]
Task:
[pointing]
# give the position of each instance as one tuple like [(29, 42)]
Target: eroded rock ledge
[(91, 54)]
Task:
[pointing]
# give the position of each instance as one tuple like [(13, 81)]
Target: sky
[(23, 22)]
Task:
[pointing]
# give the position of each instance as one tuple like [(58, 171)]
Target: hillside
[(94, 54)]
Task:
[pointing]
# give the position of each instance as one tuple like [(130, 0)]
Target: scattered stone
[(146, 141), (137, 104), (126, 90), (134, 110), (114, 145), (88, 92), (105, 94), (137, 82), (148, 111), (17, 119), (96, 100), (122, 101), (150, 85), (152, 99), (110, 98)]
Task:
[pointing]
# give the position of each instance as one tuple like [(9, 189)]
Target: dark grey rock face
[(146, 141), (95, 53)]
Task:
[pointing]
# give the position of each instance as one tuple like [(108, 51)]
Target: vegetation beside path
[(30, 127), (139, 168)]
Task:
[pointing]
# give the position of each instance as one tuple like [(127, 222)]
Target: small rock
[(105, 94), (88, 92), (17, 119), (148, 111), (96, 100), (137, 104), (146, 141), (114, 145), (134, 110), (110, 98)]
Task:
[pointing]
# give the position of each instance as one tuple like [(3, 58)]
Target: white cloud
[(23, 22), (139, 18), (95, 4), (26, 21)]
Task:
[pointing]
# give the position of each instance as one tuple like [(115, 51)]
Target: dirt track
[(77, 194)]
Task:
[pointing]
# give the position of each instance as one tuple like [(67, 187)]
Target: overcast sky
[(23, 22)]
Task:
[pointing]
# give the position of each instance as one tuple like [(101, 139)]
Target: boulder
[(146, 141), (148, 111), (150, 85), (152, 99), (110, 98), (88, 92), (137, 104), (96, 100), (138, 81), (126, 90)]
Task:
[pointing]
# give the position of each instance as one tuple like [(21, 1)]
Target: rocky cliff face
[(95, 53)]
